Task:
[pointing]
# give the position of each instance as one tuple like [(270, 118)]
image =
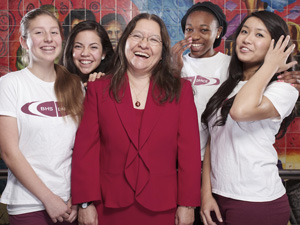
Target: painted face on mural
[(114, 31), (253, 42), (143, 47), (203, 28), (87, 51), (44, 41)]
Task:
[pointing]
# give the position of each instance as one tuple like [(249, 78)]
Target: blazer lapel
[(127, 115), (150, 117)]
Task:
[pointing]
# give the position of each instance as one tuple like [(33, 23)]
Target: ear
[(23, 43), (219, 32)]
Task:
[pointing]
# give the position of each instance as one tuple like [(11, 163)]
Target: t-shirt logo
[(199, 80), (43, 109)]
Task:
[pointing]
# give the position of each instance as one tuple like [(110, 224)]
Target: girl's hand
[(94, 76), (277, 55), (177, 51), (56, 208), (292, 77), (73, 214), (208, 205)]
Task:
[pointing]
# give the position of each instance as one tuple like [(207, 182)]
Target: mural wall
[(115, 14)]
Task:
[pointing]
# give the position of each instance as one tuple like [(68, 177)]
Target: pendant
[(137, 104)]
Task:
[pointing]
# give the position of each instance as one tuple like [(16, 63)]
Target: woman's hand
[(292, 77), (88, 216), (177, 51), (278, 55), (184, 216), (73, 214), (208, 205), (94, 76), (56, 208)]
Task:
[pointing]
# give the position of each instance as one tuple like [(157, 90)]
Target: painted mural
[(115, 14)]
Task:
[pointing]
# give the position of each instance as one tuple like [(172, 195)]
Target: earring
[(218, 36), (103, 57)]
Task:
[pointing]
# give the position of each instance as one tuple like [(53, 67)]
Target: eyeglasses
[(153, 40)]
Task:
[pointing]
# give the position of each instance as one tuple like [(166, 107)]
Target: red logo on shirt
[(199, 80), (44, 109)]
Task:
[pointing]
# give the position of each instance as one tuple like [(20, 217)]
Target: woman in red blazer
[(137, 151)]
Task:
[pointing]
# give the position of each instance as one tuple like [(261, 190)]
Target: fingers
[(181, 46), (218, 214)]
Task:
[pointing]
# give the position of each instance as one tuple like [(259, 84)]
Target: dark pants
[(35, 218), (235, 212)]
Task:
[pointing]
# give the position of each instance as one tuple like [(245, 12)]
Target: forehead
[(148, 27), (88, 36), (43, 21), (201, 17), (255, 23)]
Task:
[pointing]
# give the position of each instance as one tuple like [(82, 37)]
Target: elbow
[(238, 114)]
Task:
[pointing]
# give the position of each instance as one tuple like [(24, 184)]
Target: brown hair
[(163, 77), (67, 86)]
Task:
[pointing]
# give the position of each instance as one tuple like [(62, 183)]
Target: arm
[(85, 177), (189, 159), (208, 203), (255, 106), (177, 51), (19, 166)]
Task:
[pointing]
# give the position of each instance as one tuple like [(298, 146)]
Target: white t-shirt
[(206, 76), (243, 158), (45, 138)]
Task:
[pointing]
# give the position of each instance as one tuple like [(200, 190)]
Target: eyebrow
[(158, 35), (94, 43), (259, 29)]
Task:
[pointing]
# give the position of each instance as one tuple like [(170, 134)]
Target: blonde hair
[(67, 86)]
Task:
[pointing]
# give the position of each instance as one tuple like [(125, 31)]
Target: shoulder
[(103, 82), (186, 86), (12, 77)]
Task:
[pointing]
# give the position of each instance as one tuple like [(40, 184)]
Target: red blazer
[(115, 164)]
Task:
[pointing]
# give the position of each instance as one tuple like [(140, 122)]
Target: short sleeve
[(8, 96), (283, 96)]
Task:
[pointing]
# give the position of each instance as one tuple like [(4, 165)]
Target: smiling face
[(203, 27), (87, 51), (43, 42), (142, 56), (253, 42)]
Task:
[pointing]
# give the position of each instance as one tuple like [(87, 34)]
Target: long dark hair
[(106, 46), (163, 77), (276, 27)]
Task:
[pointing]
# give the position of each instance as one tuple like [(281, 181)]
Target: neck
[(45, 72), (248, 72)]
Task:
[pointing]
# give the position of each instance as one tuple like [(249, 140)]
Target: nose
[(47, 37), (84, 52), (144, 42), (248, 39), (195, 35)]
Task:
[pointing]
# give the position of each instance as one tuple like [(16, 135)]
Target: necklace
[(137, 102)]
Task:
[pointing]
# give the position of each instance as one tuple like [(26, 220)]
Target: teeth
[(48, 48), (245, 49), (142, 54), (197, 45), (85, 61)]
